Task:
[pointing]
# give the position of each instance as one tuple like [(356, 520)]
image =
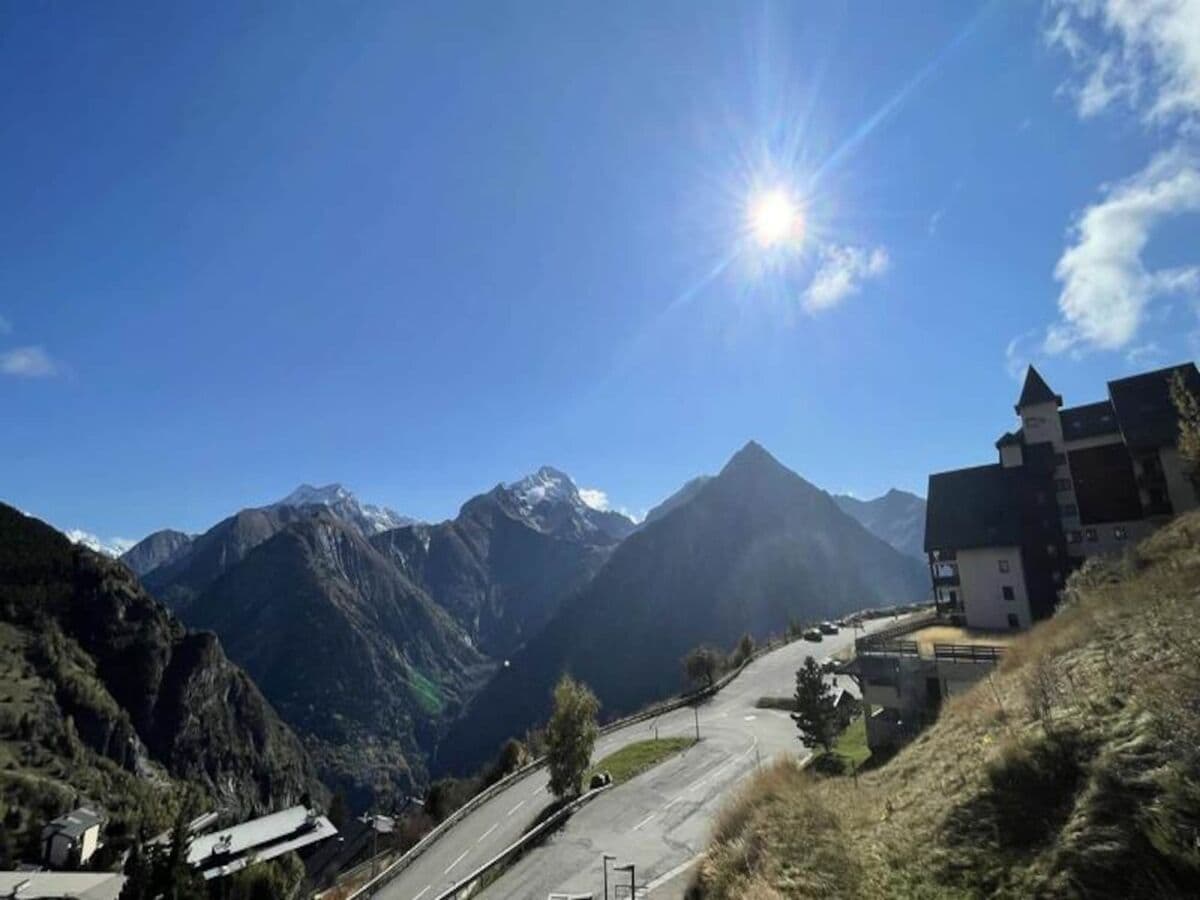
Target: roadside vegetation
[(1073, 771), (634, 759)]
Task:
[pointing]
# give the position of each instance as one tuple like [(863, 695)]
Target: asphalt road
[(659, 821)]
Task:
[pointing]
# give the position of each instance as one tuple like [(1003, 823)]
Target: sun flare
[(775, 218)]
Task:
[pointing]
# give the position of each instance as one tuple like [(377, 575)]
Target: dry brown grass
[(1074, 771)]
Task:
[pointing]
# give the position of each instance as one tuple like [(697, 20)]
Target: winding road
[(659, 821)]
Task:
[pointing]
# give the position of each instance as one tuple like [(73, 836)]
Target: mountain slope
[(181, 580), (356, 658), (755, 546), (157, 549), (677, 499), (897, 517), (106, 691), (506, 563)]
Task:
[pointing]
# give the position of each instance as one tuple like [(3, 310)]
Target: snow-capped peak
[(546, 485), (307, 495), (113, 547), (367, 517)]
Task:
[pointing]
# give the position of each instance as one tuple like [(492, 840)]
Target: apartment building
[(1002, 538), (1069, 483)]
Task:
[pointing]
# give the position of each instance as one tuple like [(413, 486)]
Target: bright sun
[(775, 218)]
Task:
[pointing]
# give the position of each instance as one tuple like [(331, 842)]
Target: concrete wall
[(982, 585), (1042, 424)]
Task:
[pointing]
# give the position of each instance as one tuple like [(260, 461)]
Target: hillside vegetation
[(106, 698), (1073, 772)]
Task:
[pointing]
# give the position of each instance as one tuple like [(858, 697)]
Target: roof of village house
[(1144, 408), (1035, 390), (76, 822), (969, 508), (47, 885), (1011, 437)]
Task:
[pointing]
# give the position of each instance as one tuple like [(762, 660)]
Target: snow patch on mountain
[(112, 547), (367, 517)]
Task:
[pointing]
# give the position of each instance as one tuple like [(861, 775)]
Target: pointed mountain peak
[(751, 457), (547, 484), (1035, 390), (307, 495)]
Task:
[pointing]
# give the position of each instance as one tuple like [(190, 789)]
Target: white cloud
[(1145, 53), (1146, 355), (841, 272), (27, 362), (1105, 284), (594, 497), (1019, 353), (108, 546)]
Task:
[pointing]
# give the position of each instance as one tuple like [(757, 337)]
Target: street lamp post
[(606, 859), (632, 879)]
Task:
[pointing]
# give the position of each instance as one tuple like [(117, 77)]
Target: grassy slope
[(637, 758), (1074, 771)]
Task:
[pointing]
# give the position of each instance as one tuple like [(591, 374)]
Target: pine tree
[(815, 714)]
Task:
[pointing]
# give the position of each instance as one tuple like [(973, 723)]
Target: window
[(1090, 534), (1119, 533), (1004, 565), (1034, 421), (1057, 576), (1008, 593), (1068, 509), (1051, 551), (1074, 537), (1062, 484), (1013, 621)]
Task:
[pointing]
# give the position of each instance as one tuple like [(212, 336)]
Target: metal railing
[(983, 653)]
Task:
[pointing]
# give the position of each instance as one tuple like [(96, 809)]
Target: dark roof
[(1036, 391), (973, 508), (1011, 437), (76, 822), (1089, 420), (1144, 408)]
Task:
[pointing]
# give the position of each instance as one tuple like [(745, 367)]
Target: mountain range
[(743, 552), (370, 641), (380, 640), (106, 694)]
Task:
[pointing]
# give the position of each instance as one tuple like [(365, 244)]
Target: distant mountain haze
[(157, 549), (897, 517), (749, 550), (113, 674)]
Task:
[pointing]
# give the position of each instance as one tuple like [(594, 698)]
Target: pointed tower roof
[(1036, 391)]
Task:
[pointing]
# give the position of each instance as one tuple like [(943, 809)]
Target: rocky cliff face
[(121, 681), (356, 658)]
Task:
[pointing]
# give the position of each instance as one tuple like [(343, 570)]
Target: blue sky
[(421, 251)]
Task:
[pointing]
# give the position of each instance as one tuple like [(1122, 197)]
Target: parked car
[(828, 628), (813, 634)]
